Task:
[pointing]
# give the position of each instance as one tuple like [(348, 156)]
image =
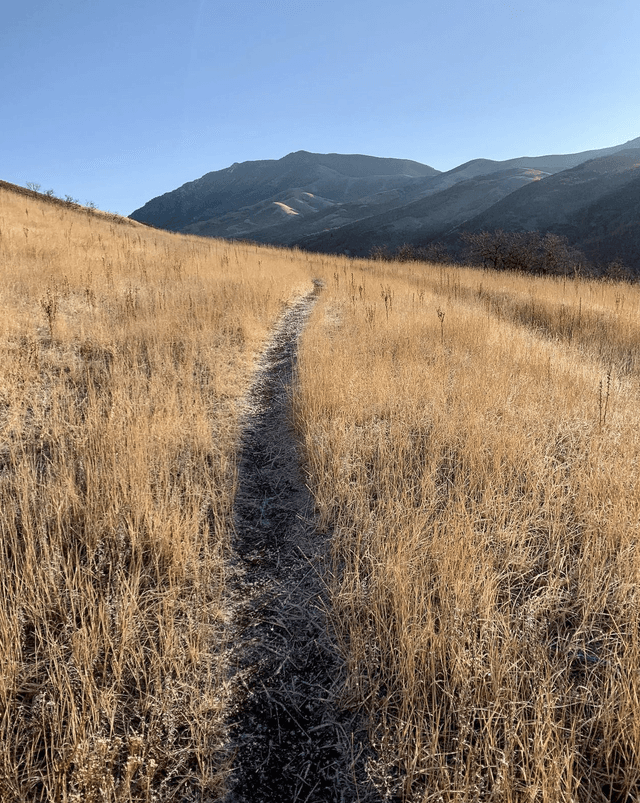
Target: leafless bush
[(528, 252)]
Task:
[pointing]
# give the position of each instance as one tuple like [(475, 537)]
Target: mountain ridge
[(350, 203), (246, 183), (564, 203)]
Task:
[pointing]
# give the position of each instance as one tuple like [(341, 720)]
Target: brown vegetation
[(124, 351), (472, 444), (472, 440)]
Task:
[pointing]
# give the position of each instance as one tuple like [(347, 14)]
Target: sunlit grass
[(472, 445), (124, 351), (479, 471)]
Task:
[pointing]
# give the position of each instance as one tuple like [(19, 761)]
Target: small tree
[(487, 248), (380, 253), (31, 185), (617, 271), (435, 252)]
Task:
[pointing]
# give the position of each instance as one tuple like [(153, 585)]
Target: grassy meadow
[(123, 353), (472, 445), (472, 442)]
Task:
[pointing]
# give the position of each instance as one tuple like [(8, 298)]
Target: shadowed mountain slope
[(596, 205), (609, 229), (418, 221), (552, 203), (338, 203), (331, 178)]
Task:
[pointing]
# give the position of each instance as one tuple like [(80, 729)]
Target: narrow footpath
[(290, 741)]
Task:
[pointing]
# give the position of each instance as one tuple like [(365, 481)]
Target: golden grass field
[(124, 351), (472, 445), (472, 441)]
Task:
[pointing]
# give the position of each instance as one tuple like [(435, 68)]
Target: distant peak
[(298, 155)]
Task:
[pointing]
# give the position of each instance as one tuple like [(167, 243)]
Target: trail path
[(290, 741)]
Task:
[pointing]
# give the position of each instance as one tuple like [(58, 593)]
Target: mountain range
[(339, 203)]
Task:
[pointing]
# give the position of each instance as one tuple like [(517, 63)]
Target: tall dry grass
[(123, 352), (597, 316), (471, 441), (479, 470)]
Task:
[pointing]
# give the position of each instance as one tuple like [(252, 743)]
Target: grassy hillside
[(472, 441), (124, 351)]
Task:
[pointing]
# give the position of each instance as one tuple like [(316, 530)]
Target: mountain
[(556, 201), (609, 229), (547, 164), (418, 221), (596, 205), (245, 198), (339, 203)]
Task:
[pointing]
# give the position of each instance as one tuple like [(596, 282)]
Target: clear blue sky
[(118, 102)]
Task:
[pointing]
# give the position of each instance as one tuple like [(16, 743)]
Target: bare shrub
[(527, 252)]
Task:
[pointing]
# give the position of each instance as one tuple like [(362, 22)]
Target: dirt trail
[(290, 741)]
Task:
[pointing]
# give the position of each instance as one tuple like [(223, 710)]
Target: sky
[(117, 102)]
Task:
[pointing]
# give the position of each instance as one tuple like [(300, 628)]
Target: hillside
[(246, 198), (610, 228), (281, 527), (337, 203), (595, 205), (418, 221), (124, 352), (472, 442)]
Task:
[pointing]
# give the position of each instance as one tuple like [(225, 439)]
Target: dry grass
[(471, 440), (479, 468), (124, 351)]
